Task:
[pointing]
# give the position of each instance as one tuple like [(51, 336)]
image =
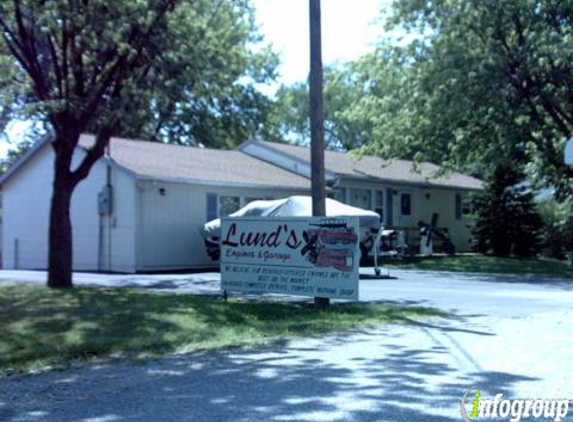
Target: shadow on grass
[(40, 327), (373, 375), (379, 379)]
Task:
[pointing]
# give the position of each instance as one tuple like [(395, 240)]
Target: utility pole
[(317, 123)]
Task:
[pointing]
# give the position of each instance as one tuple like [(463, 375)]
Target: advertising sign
[(304, 256)]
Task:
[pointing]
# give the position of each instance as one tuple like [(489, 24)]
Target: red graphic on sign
[(331, 245)]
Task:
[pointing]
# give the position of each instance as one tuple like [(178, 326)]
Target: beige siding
[(425, 201), (170, 230), (443, 202), (26, 198), (25, 220)]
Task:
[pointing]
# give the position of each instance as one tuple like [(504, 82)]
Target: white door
[(166, 226)]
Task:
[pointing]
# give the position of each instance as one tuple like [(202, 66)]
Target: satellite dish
[(569, 152)]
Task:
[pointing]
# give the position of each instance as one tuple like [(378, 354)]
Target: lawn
[(489, 264), (41, 328)]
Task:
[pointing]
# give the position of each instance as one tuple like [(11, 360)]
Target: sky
[(349, 29)]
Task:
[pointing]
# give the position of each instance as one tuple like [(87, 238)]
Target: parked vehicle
[(298, 206)]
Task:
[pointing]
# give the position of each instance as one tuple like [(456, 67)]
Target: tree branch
[(94, 153), (56, 65), (30, 54), (122, 64), (65, 69), (14, 50)]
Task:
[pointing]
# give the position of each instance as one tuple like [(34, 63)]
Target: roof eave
[(335, 175), (217, 183), (427, 185)]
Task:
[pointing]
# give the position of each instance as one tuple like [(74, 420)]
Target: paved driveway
[(510, 335)]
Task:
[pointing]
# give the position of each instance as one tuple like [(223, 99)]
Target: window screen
[(467, 205), (458, 210), (228, 205), (360, 198), (211, 206)]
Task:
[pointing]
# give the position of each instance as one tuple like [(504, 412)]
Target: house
[(401, 195), (161, 197), (144, 204)]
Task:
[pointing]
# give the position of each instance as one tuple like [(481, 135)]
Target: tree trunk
[(60, 237), (65, 181)]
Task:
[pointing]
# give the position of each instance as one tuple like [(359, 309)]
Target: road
[(494, 295), (509, 334)]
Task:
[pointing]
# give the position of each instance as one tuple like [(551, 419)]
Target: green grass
[(489, 264), (41, 328)]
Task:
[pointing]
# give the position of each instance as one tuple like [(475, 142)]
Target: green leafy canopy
[(472, 84), (181, 71)]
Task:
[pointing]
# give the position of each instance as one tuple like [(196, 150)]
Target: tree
[(15, 153), (289, 119), (168, 68), (507, 219), (383, 113), (481, 82), (205, 91), (557, 227)]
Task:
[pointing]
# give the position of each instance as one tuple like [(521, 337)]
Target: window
[(211, 206), (360, 198), (467, 205), (406, 204), (228, 205), (463, 205), (389, 207), (458, 205), (379, 203)]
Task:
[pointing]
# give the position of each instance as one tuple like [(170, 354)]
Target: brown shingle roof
[(189, 164), (401, 171)]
